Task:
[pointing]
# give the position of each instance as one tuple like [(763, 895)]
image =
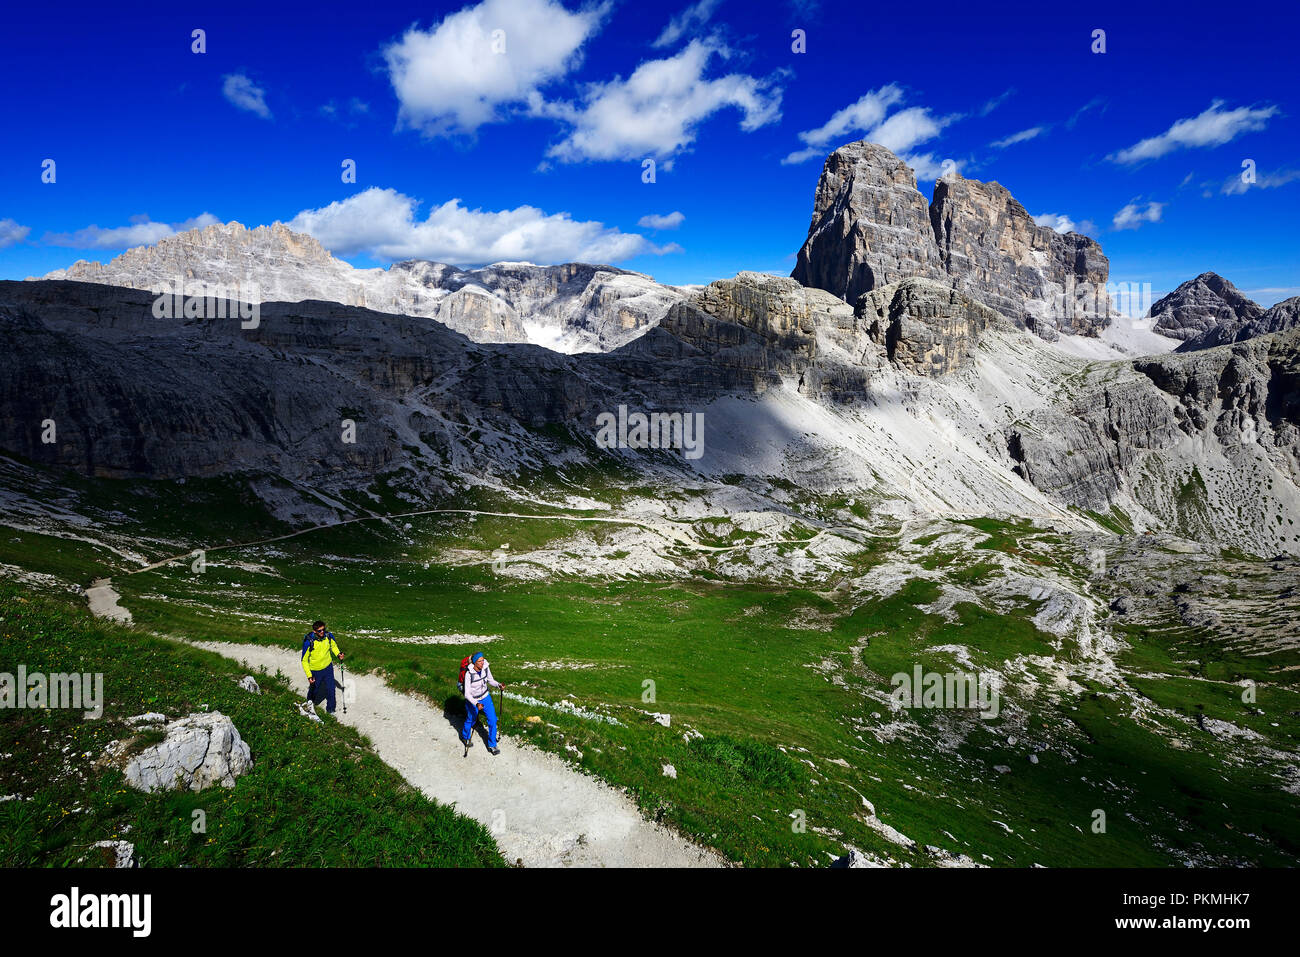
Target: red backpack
[(464, 667)]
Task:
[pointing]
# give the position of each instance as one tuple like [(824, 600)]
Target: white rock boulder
[(123, 852), (855, 858), (198, 751)]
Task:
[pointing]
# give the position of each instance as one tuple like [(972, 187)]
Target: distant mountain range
[(950, 357), (573, 307)]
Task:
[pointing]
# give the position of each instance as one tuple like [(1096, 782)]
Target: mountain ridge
[(926, 402), (273, 263), (917, 392)]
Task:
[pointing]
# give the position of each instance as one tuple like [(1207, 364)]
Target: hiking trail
[(540, 810)]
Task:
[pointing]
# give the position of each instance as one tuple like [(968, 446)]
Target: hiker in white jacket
[(478, 698)]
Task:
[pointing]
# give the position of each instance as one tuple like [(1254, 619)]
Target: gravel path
[(540, 810), (102, 599)]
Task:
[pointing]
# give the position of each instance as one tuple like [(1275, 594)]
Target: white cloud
[(690, 19), (355, 106), (383, 222), (141, 232), (1213, 127), (1235, 186), (803, 156), (900, 132), (1020, 137), (1134, 215), (869, 119), (653, 221), (245, 94), (12, 233), (1058, 221), (1092, 104), (866, 114), (928, 167), (656, 111), (997, 101), (1064, 224), (454, 77)]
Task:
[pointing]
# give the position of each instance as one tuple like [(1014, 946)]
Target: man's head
[(318, 627), (478, 661)]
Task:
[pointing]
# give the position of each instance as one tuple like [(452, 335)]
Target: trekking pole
[(343, 686)]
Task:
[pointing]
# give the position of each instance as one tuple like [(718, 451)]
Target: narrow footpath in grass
[(540, 811)]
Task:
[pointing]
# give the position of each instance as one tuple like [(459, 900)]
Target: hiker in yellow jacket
[(317, 647)]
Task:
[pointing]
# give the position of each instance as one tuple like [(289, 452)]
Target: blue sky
[(472, 145)]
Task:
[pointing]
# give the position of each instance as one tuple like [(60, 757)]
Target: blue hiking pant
[(489, 712), (323, 689)]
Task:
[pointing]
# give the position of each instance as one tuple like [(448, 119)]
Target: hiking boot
[(494, 750)]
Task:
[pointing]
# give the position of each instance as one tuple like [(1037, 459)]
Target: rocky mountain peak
[(1200, 304), (277, 238), (871, 227), (188, 253)]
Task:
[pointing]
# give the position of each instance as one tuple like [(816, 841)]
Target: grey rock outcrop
[(1279, 318), (926, 327), (997, 254), (871, 227), (1199, 305), (118, 854), (1249, 388), (573, 307), (779, 314), (752, 330), (855, 858), (133, 395), (155, 407), (285, 261), (756, 329), (265, 264), (199, 751), (1208, 442), (1080, 453), (474, 308), (763, 327)]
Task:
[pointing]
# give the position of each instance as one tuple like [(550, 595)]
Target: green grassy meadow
[(317, 796), (785, 746)]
